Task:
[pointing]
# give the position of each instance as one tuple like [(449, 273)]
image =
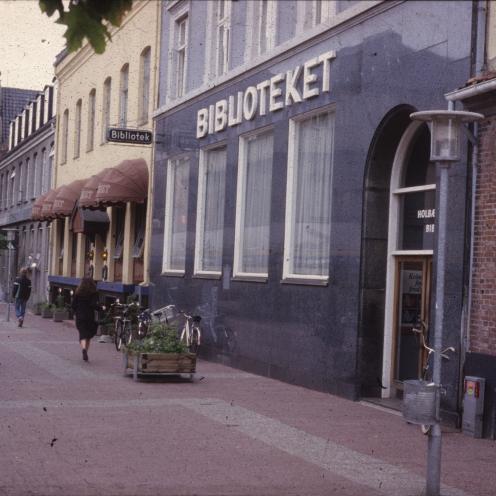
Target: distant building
[(12, 101), (99, 203), (25, 176)]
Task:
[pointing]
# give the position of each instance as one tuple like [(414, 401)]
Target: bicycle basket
[(419, 402)]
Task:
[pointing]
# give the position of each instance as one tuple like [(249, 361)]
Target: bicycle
[(122, 328), (426, 376), (144, 320), (190, 334)]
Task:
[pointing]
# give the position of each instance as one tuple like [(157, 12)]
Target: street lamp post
[(445, 126)]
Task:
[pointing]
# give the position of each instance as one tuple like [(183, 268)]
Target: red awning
[(127, 182), (36, 210), (66, 198), (46, 207), (87, 199)]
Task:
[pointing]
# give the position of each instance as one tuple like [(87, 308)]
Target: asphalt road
[(70, 428)]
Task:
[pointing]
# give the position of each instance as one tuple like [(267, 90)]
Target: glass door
[(413, 289)]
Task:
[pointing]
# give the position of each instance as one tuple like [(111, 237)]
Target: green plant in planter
[(60, 311), (161, 338), (46, 310)]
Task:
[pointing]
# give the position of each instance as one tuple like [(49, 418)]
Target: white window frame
[(106, 107), (240, 205), (174, 48), (222, 67), (288, 275), (90, 138), (254, 28), (168, 216), (200, 211), (65, 137), (123, 95), (145, 82), (307, 13), (77, 128)]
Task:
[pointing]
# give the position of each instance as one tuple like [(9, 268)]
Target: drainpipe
[(460, 95)]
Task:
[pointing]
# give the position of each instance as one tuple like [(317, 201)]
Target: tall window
[(77, 129), (266, 25), (308, 198), (251, 244), (65, 135), (21, 194), (176, 215), (123, 95), (12, 187), (223, 25), (180, 48), (39, 185), (210, 211), (2, 192), (144, 98), (314, 12), (107, 88), (139, 229), (120, 219), (90, 139), (32, 167)]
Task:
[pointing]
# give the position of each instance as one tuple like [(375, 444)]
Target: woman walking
[(85, 304), (21, 291)]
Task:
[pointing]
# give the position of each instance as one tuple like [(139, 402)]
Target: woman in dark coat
[(85, 304)]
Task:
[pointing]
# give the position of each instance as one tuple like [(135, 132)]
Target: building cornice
[(354, 15)]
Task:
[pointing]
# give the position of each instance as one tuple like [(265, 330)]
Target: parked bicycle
[(421, 330), (190, 332), (122, 324)]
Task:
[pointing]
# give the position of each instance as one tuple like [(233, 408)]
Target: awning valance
[(127, 182), (90, 222), (46, 207), (87, 199), (36, 210), (66, 198)]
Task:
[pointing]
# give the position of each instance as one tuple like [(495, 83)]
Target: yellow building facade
[(95, 93)]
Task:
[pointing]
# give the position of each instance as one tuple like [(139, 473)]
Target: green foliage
[(60, 302), (46, 306), (87, 19), (160, 339), (3, 242)]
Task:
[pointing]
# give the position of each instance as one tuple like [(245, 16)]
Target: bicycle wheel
[(118, 335), (194, 339), (126, 335)]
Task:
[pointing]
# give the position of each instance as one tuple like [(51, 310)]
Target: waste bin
[(473, 405)]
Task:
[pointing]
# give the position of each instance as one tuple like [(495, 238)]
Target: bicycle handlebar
[(428, 348)]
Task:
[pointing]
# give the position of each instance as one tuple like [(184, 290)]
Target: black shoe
[(85, 355), (19, 321)]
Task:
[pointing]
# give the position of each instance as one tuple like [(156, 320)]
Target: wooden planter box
[(159, 364), (60, 315), (47, 313)]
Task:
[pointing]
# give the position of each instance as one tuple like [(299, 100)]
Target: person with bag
[(85, 304), (21, 291)]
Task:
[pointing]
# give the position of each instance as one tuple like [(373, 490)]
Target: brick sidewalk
[(70, 428)]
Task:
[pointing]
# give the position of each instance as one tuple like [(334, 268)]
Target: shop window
[(251, 244), (308, 198), (144, 98), (65, 135), (176, 215), (77, 129), (123, 95), (210, 211), (139, 230), (120, 216), (90, 139), (107, 88)]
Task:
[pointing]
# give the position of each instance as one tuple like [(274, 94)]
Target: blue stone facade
[(390, 62)]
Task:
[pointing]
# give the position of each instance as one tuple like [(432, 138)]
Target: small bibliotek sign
[(133, 136)]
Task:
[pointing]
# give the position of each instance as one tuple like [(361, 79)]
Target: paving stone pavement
[(70, 428)]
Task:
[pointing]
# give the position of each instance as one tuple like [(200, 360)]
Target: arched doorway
[(397, 238)]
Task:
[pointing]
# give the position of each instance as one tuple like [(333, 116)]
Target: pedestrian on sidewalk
[(21, 291), (85, 304)]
